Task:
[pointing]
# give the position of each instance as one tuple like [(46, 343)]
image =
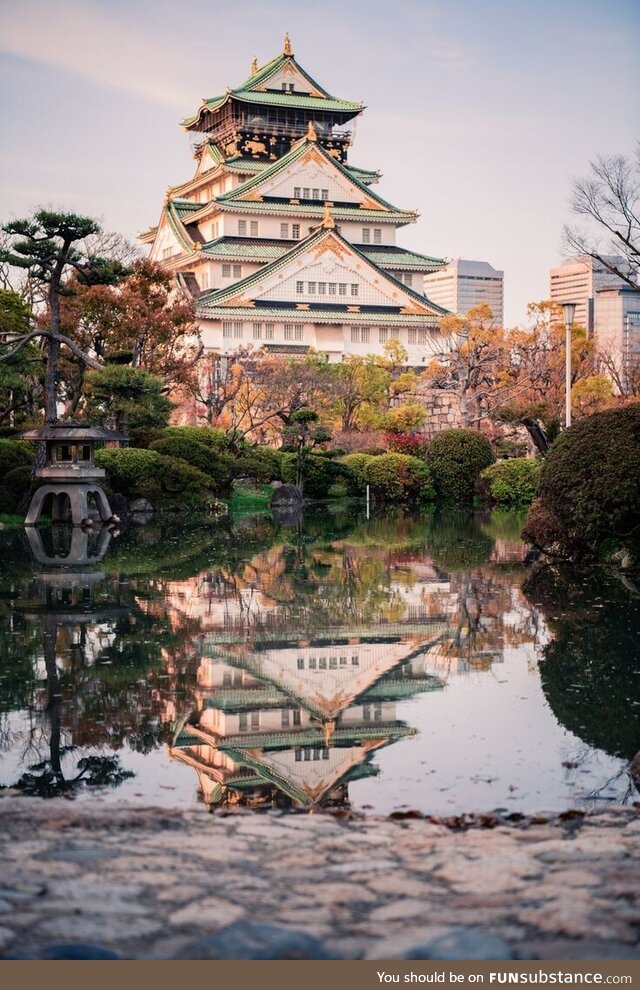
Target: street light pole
[(569, 312)]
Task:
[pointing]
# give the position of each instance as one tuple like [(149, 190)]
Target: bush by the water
[(589, 491), (456, 458), (260, 463), (321, 475), (166, 481), (209, 459), (397, 479), (357, 465), (512, 483), (16, 458)]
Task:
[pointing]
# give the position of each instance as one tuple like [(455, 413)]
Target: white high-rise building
[(578, 280), (617, 334), (460, 285)]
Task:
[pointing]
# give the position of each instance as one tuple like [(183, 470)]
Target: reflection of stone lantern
[(70, 474)]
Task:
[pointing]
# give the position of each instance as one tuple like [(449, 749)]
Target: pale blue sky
[(479, 114)]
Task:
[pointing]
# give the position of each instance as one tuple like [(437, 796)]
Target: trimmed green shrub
[(266, 463), (210, 436), (513, 482), (589, 491), (14, 486), (320, 474), (399, 479), (218, 466), (357, 465), (13, 454), (167, 481), (456, 458)]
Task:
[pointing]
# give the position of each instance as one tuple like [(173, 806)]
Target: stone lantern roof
[(71, 430)]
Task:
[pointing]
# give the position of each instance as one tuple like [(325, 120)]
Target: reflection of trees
[(590, 670)]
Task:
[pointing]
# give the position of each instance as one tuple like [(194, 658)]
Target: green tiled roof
[(396, 690), (210, 302), (374, 316), (248, 92), (239, 699), (246, 249), (316, 211), (399, 258), (257, 249), (299, 149)]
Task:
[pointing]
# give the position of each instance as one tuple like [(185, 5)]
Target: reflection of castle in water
[(293, 722)]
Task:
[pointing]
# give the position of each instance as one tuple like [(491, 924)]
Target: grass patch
[(246, 499)]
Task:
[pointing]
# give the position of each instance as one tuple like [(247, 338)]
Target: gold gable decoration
[(239, 302), (370, 204), (311, 155), (287, 49), (415, 310), (330, 244)]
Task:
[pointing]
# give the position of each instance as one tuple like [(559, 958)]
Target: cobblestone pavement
[(149, 882)]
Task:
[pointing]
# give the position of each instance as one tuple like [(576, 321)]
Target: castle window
[(355, 289), (257, 331), (237, 271), (299, 333), (227, 329), (296, 716), (214, 230), (305, 192), (377, 235), (284, 230), (300, 663), (167, 252), (285, 718), (226, 271), (315, 194), (383, 335), (411, 336), (204, 280), (237, 330), (242, 228), (322, 288), (342, 289), (296, 192), (288, 331), (332, 288), (324, 193), (300, 287), (255, 720), (243, 723), (312, 663), (295, 231), (311, 288), (253, 228), (355, 661), (366, 235), (268, 333), (407, 278)]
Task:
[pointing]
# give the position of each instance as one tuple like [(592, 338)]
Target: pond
[(384, 664)]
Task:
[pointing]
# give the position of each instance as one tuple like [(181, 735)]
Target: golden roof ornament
[(311, 132), (327, 219), (254, 66), (287, 50)]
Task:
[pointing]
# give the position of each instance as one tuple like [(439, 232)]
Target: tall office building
[(460, 285), (578, 280)]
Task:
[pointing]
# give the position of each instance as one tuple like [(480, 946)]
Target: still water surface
[(388, 664)]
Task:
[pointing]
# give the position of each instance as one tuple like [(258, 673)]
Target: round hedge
[(456, 458), (399, 479), (210, 436), (166, 481), (320, 475), (589, 486), (217, 465), (14, 486), (512, 483), (357, 465)]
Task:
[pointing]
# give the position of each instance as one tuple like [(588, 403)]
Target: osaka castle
[(285, 244)]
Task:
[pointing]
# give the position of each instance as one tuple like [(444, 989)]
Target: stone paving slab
[(148, 882)]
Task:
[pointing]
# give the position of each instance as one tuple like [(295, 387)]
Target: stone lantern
[(70, 474)]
